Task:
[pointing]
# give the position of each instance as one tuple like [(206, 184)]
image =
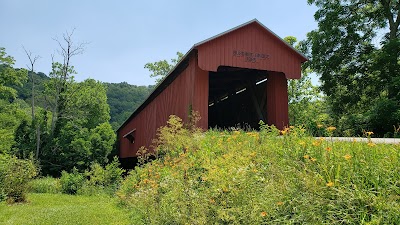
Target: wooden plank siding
[(175, 99), (249, 47), (277, 100), (250, 39)]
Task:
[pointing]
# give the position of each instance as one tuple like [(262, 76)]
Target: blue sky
[(124, 35)]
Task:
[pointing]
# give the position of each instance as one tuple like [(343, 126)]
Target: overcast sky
[(125, 35)]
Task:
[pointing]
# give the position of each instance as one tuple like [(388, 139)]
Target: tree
[(9, 76), (305, 101), (11, 116), (62, 76), (86, 136), (32, 60), (161, 68), (11, 110), (123, 99), (357, 75)]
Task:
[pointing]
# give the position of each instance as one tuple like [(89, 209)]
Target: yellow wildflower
[(306, 156), (302, 143), (313, 159), (263, 213), (330, 184), (316, 143), (285, 131), (347, 157), (291, 127), (369, 133), (370, 144), (320, 125), (279, 203), (322, 139), (328, 149), (330, 129)]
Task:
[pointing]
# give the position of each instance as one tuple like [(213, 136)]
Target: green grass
[(238, 177), (45, 185), (63, 209)]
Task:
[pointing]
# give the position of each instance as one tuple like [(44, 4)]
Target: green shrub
[(109, 176), (71, 182), (45, 185), (103, 179), (14, 177), (98, 180)]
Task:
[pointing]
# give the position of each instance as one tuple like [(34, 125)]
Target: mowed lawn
[(64, 209)]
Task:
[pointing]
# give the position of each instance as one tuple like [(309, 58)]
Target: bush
[(111, 175), (105, 179), (97, 180), (45, 185), (15, 175), (71, 182)]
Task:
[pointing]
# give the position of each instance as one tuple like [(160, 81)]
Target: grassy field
[(53, 209), (236, 177), (239, 177)]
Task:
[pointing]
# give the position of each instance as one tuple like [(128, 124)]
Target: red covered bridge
[(236, 77)]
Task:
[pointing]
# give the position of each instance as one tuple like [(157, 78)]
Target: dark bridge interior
[(237, 98)]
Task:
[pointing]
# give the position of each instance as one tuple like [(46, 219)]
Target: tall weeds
[(265, 177)]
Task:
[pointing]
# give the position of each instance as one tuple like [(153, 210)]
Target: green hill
[(123, 98)]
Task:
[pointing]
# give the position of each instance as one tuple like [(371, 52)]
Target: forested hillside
[(123, 98), (63, 124)]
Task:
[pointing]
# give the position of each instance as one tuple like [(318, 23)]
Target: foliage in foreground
[(49, 209), (97, 180), (15, 175), (48, 185), (240, 177)]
